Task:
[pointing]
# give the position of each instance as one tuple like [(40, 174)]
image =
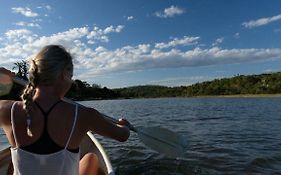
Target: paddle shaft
[(111, 119)]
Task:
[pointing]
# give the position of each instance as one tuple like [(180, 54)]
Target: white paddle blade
[(6, 84), (163, 141)]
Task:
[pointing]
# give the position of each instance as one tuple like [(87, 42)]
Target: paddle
[(161, 140)]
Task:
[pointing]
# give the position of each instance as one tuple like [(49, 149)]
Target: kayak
[(89, 145)]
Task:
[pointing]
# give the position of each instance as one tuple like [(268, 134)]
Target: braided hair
[(44, 69)]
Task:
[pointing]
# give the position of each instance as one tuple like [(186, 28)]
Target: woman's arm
[(5, 105), (6, 71), (5, 112), (94, 121)]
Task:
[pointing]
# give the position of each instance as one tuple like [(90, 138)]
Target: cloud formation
[(185, 41), (261, 21), (218, 41), (25, 11), (236, 35), (45, 6), (92, 61), (27, 24), (170, 12), (129, 18), (178, 81)]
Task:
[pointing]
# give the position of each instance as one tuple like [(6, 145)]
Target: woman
[(44, 131)]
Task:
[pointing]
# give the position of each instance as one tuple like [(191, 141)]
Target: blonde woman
[(44, 131)]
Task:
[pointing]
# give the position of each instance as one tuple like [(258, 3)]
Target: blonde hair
[(44, 69)]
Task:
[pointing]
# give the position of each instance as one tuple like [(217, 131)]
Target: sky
[(121, 43)]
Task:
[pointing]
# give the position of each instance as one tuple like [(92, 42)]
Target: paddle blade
[(163, 141), (6, 84)]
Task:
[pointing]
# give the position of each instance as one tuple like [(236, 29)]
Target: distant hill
[(237, 85)]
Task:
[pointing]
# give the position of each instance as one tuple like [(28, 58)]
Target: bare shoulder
[(87, 112), (88, 116), (5, 105), (5, 111)]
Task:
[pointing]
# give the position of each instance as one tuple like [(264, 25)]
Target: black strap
[(46, 113)]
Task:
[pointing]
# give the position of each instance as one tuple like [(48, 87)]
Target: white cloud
[(129, 18), (111, 29), (218, 41), (185, 41), (136, 58), (269, 71), (261, 21), (236, 35), (178, 81), (48, 7), (22, 43), (45, 6), (170, 12), (91, 61), (15, 36), (26, 24), (101, 34), (24, 11)]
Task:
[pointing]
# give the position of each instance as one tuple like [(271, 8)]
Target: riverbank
[(201, 96), (242, 96)]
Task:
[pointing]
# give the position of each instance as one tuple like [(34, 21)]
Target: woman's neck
[(47, 93)]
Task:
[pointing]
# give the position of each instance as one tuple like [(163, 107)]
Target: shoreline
[(200, 96), (242, 96)]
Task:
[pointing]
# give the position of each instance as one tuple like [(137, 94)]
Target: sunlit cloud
[(45, 6), (25, 11), (170, 12), (26, 24), (99, 60), (261, 21), (129, 18), (218, 41), (236, 35), (185, 41), (178, 81)]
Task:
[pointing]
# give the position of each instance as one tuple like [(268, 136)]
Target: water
[(225, 135)]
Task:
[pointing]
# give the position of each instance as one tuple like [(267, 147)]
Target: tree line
[(237, 85)]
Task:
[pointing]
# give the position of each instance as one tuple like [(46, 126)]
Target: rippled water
[(225, 135)]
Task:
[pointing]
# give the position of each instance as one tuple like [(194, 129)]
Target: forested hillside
[(237, 85), (241, 84)]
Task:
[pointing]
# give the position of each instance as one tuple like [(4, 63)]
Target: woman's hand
[(124, 122), (6, 72)]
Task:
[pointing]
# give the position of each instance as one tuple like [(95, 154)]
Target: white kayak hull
[(89, 145)]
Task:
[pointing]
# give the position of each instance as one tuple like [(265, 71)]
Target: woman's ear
[(63, 74), (67, 73)]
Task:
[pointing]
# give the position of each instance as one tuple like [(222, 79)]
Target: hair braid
[(28, 94), (45, 69)]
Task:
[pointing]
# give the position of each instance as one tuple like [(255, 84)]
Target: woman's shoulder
[(6, 105), (5, 110), (82, 111)]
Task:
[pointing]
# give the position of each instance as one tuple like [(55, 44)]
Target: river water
[(224, 135)]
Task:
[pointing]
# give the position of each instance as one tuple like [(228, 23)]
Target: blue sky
[(118, 43)]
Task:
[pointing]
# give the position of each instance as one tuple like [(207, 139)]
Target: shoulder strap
[(13, 124), (73, 126), (50, 109)]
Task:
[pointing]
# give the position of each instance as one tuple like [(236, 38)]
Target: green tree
[(22, 67)]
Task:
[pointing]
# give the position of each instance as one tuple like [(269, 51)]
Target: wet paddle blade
[(6, 84), (163, 141)]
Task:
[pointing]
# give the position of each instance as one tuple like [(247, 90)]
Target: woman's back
[(39, 127), (40, 159), (59, 124)]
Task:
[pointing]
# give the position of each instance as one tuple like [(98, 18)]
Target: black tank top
[(45, 144)]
